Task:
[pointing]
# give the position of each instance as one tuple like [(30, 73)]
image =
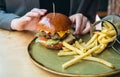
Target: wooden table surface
[(14, 59)]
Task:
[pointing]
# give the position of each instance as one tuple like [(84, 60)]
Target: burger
[(54, 28)]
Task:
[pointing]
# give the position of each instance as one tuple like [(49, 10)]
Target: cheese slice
[(62, 33)]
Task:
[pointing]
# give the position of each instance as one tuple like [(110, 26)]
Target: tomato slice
[(42, 38)]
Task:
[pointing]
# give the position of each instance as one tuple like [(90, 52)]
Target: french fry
[(90, 46), (100, 61), (108, 25), (66, 49), (110, 33), (100, 33), (80, 40), (80, 47), (102, 47), (104, 29), (77, 59), (92, 39), (72, 48), (100, 39), (104, 40), (63, 53)]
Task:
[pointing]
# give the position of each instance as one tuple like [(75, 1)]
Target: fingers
[(32, 14), (40, 11), (82, 24), (76, 19), (72, 18), (36, 12), (87, 28), (78, 24), (28, 17)]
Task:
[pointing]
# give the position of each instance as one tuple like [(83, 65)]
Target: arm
[(5, 18)]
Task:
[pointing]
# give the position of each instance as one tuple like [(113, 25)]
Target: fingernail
[(43, 11), (75, 34)]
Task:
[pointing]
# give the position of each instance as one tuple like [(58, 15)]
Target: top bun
[(54, 22)]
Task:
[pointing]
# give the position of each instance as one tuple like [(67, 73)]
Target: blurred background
[(106, 7)]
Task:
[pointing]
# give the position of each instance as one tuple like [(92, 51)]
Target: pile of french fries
[(84, 50)]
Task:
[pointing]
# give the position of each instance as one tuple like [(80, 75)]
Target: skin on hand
[(82, 23), (28, 21)]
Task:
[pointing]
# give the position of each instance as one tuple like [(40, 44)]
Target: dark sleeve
[(5, 18), (86, 7)]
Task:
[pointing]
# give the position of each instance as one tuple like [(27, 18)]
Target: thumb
[(72, 19), (87, 28)]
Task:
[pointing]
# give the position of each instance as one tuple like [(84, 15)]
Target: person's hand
[(82, 24), (28, 21)]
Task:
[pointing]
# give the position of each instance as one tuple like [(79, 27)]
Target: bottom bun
[(56, 46)]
